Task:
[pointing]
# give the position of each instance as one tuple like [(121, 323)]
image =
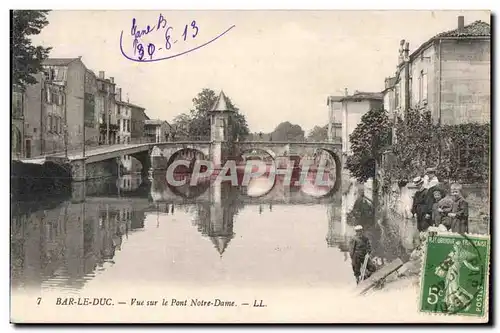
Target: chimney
[(401, 50), (112, 79), (101, 74), (406, 51), (460, 24)]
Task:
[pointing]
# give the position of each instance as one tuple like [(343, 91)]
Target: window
[(49, 124), (396, 96), (48, 96), (422, 87), (17, 104)]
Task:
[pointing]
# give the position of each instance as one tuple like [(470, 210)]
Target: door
[(28, 148)]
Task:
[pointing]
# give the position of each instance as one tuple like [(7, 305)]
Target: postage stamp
[(454, 277)]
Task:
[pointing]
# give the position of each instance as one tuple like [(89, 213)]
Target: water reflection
[(285, 235)]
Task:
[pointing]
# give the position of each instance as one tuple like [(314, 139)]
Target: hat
[(358, 227), (430, 170), (418, 180)]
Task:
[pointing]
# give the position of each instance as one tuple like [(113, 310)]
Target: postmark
[(454, 279)]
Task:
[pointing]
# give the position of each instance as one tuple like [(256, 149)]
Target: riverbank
[(30, 180)]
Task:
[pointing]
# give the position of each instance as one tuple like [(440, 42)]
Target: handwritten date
[(190, 31)]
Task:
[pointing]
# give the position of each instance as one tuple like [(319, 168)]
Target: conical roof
[(221, 103), (220, 243)]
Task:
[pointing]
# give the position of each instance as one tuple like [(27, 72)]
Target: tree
[(197, 123), (318, 134), (368, 141), (416, 145), (27, 58), (180, 127), (287, 131)]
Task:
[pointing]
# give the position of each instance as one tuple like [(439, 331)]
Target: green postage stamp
[(455, 273)]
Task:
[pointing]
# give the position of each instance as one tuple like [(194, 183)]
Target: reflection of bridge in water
[(66, 243)]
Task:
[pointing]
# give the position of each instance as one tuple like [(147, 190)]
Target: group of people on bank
[(433, 206)]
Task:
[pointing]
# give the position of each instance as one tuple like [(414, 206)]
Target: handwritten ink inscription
[(157, 41)]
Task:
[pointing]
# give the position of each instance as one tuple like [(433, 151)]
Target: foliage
[(287, 131), (368, 141), (415, 145), (318, 134), (465, 155), (464, 150), (196, 124), (27, 59)]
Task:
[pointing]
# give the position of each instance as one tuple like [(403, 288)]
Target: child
[(436, 213), (460, 211), (444, 207)]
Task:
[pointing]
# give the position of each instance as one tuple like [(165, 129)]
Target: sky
[(274, 65)]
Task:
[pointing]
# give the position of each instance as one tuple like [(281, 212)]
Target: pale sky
[(275, 65)]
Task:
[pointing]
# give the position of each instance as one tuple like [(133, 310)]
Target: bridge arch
[(338, 169), (187, 153), (255, 151)]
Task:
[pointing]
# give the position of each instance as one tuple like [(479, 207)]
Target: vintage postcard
[(232, 166)]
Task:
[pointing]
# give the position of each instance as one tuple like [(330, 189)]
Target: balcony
[(112, 128)]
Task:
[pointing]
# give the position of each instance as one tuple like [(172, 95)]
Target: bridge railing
[(47, 147)]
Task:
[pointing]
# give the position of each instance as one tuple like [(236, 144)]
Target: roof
[(221, 103), (130, 105), (220, 243), (364, 95), (58, 61), (476, 29), (334, 99), (154, 122)]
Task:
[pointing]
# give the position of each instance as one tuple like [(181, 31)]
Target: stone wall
[(399, 201), (465, 81), (107, 168)]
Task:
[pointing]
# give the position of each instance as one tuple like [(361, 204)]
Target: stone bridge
[(102, 162), (163, 153)]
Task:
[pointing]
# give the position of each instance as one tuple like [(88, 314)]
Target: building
[(52, 109), (449, 75), (156, 130), (17, 123), (91, 112), (124, 114), (51, 115), (334, 104), (106, 106), (353, 108), (137, 118)]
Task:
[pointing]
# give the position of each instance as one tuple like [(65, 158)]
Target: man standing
[(420, 205), (362, 212), (430, 179), (360, 247)]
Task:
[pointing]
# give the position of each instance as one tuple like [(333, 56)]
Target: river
[(148, 233)]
